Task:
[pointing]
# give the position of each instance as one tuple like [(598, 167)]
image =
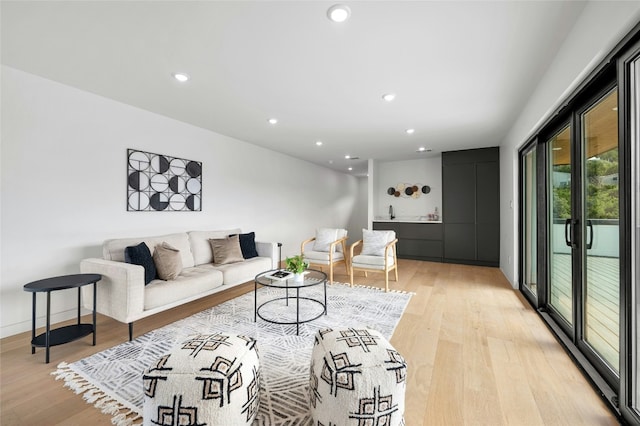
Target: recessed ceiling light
[(389, 97), (319, 143), (338, 13), (410, 131), (422, 149), (180, 76), (347, 157), (350, 168), (273, 121)]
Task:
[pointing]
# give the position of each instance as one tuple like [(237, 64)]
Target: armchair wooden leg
[(331, 274), (351, 277), (396, 270), (386, 281)]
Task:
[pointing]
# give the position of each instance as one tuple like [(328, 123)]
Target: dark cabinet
[(420, 241), (471, 206)]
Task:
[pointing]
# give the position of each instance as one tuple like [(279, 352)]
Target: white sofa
[(123, 295)]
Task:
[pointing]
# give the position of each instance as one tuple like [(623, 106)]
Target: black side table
[(68, 333)]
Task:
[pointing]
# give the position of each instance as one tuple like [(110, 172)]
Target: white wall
[(596, 32), (425, 171), (359, 216), (64, 187)]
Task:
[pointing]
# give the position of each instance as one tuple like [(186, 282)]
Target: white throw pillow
[(374, 242), (324, 238)]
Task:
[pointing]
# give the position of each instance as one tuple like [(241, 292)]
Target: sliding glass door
[(561, 227), (633, 346), (629, 67), (599, 220), (580, 260), (529, 215), (583, 212)]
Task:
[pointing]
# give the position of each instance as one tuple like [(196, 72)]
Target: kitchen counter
[(406, 219), (418, 238)]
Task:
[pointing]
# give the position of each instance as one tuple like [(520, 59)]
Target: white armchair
[(329, 247), (378, 254)]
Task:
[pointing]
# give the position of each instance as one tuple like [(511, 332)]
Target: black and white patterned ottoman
[(357, 378), (210, 379)]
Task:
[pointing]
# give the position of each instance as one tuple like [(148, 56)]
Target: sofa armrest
[(120, 291), (270, 250)]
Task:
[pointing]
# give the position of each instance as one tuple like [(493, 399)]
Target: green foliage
[(296, 264), (602, 198)]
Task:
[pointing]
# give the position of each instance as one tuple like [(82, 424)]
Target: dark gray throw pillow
[(140, 255)]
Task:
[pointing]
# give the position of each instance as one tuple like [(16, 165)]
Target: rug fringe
[(121, 415), (376, 288)]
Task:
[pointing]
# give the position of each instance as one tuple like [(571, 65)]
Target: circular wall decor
[(408, 190), (158, 182)]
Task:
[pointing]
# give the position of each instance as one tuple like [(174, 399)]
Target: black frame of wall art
[(157, 182)]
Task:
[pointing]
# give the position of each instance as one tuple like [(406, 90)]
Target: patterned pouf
[(211, 379), (356, 378)]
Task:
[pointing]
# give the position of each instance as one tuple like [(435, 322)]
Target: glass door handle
[(590, 231), (568, 232)]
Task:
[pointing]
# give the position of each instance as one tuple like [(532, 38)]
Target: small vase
[(298, 277)]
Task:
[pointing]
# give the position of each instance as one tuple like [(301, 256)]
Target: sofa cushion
[(191, 281), (140, 255), (114, 249), (248, 245), (226, 250), (241, 272), (168, 261), (200, 246)]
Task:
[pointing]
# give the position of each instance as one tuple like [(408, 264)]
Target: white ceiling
[(462, 71)]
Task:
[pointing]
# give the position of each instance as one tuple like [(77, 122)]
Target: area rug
[(112, 379)]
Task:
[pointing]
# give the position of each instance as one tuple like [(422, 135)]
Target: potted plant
[(297, 265)]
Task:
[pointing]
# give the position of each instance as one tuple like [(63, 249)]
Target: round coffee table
[(68, 333), (312, 278)]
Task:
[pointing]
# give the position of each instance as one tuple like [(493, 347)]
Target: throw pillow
[(247, 245), (168, 261), (140, 255), (374, 242), (226, 250), (324, 238)]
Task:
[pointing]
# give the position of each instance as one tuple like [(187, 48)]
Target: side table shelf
[(62, 335), (67, 333)]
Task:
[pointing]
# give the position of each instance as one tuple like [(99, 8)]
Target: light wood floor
[(477, 354)]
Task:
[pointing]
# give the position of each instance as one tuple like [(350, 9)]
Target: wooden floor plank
[(477, 354)]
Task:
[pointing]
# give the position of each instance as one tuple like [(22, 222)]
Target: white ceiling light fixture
[(318, 143), (181, 77), (273, 121), (410, 131), (338, 13), (350, 168), (346, 157), (389, 97)]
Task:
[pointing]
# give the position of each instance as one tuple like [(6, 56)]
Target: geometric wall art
[(161, 183)]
